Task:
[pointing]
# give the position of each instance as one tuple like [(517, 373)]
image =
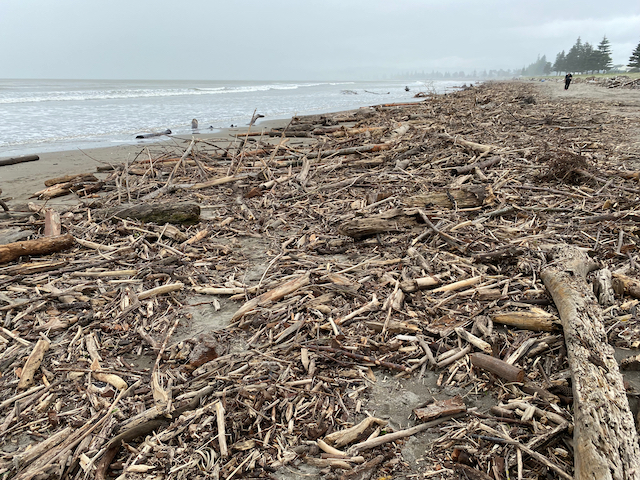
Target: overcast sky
[(297, 39)]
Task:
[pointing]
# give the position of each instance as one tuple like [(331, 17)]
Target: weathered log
[(160, 213), (605, 437), (154, 134), (466, 197), (498, 367), (14, 160), (78, 177), (536, 320), (626, 285), (393, 220), (41, 246)]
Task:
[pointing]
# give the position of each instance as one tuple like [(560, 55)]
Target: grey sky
[(297, 39)]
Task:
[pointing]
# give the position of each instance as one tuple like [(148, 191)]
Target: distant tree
[(589, 58), (575, 58), (634, 59), (539, 67), (560, 64), (604, 55)]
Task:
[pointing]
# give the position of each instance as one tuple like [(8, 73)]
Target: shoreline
[(397, 251), (18, 182)]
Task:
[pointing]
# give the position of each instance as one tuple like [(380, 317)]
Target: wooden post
[(605, 437)]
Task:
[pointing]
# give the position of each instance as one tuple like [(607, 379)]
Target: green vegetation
[(634, 59), (582, 58)]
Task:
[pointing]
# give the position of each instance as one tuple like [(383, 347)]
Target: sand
[(19, 182)]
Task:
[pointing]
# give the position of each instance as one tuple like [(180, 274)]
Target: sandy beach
[(382, 294)]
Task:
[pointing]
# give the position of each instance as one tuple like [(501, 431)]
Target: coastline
[(365, 268), (18, 182)]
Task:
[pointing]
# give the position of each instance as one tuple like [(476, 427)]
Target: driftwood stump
[(605, 437)]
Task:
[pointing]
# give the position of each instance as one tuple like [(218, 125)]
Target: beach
[(375, 291), (21, 180)]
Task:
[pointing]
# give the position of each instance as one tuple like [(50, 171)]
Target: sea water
[(55, 115)]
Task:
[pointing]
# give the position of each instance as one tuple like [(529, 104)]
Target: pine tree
[(575, 57), (589, 58), (604, 55), (560, 63), (634, 59)]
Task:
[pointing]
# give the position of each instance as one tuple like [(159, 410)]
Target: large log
[(41, 246), (160, 213), (605, 437)]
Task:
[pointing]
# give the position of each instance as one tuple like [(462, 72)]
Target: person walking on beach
[(567, 80)]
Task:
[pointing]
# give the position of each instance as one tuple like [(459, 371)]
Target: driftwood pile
[(459, 234)]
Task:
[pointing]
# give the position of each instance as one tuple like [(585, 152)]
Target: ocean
[(56, 115)]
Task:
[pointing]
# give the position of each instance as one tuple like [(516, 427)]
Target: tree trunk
[(41, 246), (605, 437)]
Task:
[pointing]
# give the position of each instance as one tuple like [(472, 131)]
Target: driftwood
[(41, 246), (160, 213), (15, 160), (324, 318), (78, 177), (606, 441), (465, 197), (154, 134), (536, 320), (497, 367)]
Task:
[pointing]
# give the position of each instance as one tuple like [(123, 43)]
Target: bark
[(41, 246), (605, 437)]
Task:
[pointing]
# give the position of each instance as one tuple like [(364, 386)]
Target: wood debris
[(229, 309)]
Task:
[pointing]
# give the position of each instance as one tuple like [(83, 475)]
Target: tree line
[(581, 58)]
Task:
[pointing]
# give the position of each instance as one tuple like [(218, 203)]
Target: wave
[(84, 95)]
